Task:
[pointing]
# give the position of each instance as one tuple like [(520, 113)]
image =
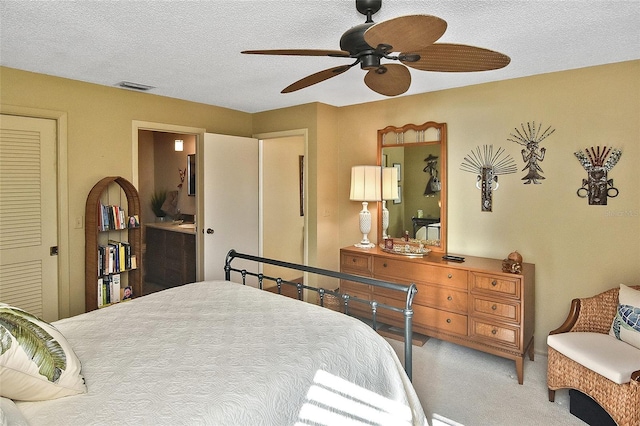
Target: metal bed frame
[(347, 299)]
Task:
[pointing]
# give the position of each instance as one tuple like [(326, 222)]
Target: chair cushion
[(602, 353), (626, 323)]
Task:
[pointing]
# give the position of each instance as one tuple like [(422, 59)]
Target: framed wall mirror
[(419, 152), (191, 174)]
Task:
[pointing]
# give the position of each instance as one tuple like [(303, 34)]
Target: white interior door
[(229, 195), (28, 215)]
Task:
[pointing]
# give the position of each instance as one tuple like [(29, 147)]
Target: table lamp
[(365, 187)]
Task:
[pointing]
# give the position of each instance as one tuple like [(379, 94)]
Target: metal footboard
[(347, 299)]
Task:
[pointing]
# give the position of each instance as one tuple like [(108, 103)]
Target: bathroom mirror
[(191, 174), (419, 152)]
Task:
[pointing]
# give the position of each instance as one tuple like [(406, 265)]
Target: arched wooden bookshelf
[(94, 236)]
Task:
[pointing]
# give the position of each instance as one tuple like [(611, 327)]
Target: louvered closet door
[(28, 215)]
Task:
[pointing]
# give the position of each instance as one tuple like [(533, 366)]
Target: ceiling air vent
[(134, 86)]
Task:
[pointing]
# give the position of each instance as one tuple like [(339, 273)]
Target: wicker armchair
[(594, 314)]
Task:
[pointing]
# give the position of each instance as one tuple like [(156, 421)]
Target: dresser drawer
[(498, 309), (496, 333), (355, 264), (385, 268), (362, 291), (431, 318), (499, 285), (439, 297), (424, 318)]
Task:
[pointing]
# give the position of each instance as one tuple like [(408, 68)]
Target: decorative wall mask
[(488, 166), (433, 185), (530, 137), (598, 187)]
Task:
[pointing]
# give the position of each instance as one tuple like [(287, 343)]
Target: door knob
[(209, 231)]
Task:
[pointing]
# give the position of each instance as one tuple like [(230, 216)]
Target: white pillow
[(36, 361), (10, 414), (626, 323)]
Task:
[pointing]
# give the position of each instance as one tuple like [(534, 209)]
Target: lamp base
[(365, 245), (365, 227)]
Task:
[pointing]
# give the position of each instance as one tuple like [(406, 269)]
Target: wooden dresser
[(472, 303)]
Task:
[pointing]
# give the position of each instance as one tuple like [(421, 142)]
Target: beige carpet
[(458, 385)]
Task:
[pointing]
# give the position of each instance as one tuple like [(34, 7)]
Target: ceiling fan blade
[(395, 81), (315, 78), (448, 57), (299, 52), (406, 33)]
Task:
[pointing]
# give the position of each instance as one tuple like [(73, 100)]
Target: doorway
[(199, 134), (283, 201), (167, 207)]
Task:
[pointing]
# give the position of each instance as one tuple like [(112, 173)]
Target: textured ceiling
[(191, 50)]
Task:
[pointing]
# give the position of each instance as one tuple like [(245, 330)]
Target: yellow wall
[(99, 140), (283, 226), (578, 249)]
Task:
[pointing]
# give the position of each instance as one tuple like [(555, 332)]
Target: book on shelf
[(101, 251), (126, 253), (106, 287), (100, 292), (109, 290), (114, 257), (115, 288), (111, 218)]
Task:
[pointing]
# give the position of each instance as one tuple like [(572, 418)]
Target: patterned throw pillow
[(36, 361), (626, 323)]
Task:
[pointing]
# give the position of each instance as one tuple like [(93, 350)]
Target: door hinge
[(53, 251)]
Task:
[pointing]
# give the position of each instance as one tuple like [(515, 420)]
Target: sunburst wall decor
[(488, 165)]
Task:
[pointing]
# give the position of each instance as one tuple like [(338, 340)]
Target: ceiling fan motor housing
[(352, 41)]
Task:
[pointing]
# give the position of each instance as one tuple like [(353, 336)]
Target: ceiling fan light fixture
[(370, 62)]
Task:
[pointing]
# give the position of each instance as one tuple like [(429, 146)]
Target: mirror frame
[(191, 174), (399, 140)]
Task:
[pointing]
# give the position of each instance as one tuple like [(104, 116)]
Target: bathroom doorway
[(168, 207)]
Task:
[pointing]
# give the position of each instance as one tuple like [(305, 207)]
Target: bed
[(223, 353)]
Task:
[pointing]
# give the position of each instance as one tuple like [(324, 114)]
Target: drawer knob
[(450, 276), (494, 283), (384, 265), (494, 307), (448, 320), (353, 259), (494, 331), (449, 298)]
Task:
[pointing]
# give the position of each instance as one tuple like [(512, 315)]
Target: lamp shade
[(389, 183), (365, 183)]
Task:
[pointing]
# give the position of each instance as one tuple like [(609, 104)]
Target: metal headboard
[(347, 299)]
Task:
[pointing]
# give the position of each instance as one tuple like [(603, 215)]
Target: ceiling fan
[(414, 36)]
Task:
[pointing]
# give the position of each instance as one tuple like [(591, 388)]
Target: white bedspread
[(220, 353)]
